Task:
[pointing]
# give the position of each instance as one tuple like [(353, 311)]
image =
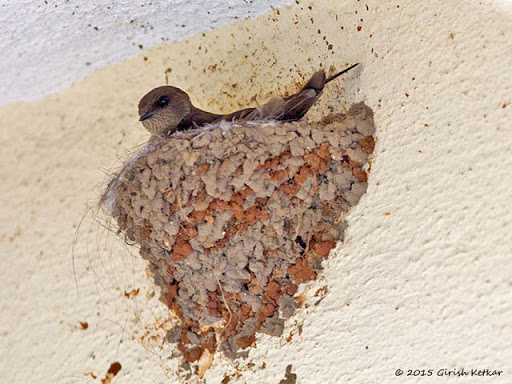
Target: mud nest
[(234, 217)]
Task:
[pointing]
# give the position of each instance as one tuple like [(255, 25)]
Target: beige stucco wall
[(424, 278)]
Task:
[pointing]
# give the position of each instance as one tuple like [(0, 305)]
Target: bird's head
[(162, 109)]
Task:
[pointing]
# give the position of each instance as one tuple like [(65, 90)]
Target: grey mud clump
[(234, 217)]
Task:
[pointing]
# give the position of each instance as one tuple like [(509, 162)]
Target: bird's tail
[(340, 73), (292, 107), (318, 80)]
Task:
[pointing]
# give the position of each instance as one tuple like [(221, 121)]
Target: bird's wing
[(290, 108), (296, 106), (272, 110), (242, 115)]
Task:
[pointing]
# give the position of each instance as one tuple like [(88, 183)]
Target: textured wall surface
[(423, 280), (48, 45)]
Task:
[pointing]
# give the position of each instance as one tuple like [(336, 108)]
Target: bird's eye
[(163, 101)]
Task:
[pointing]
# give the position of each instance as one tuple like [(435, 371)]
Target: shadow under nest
[(233, 217)]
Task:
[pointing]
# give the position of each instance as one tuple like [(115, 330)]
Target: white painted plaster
[(423, 280), (48, 45)]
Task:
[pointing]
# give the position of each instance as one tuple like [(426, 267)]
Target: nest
[(233, 218)]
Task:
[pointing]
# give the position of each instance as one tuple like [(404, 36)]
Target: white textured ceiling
[(48, 45)]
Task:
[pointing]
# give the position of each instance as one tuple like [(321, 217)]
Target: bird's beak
[(147, 115)]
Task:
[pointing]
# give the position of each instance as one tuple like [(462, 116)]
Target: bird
[(167, 109)]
